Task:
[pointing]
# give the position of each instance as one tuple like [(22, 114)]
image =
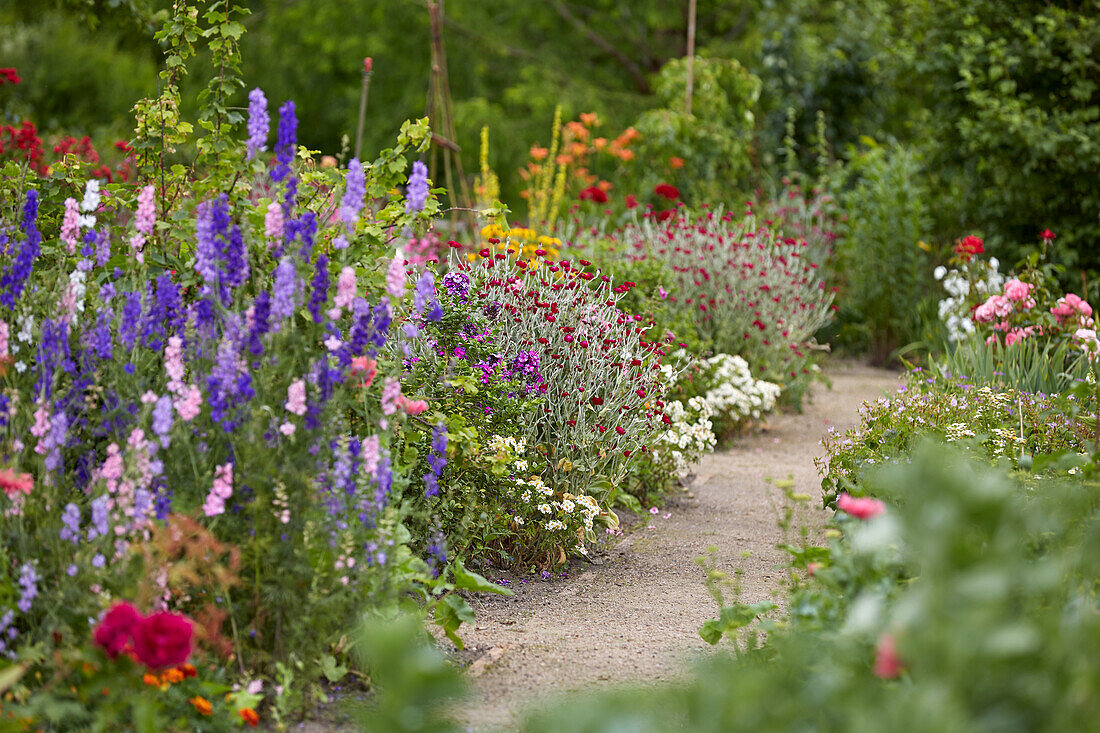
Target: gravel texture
[(635, 616)]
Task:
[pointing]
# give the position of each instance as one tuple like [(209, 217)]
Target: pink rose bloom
[(1018, 290), (413, 407), (996, 306), (1070, 306), (1086, 338), (887, 662), (861, 508), (1016, 335), (163, 640), (13, 483), (116, 629)]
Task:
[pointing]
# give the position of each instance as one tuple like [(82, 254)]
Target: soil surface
[(635, 616)]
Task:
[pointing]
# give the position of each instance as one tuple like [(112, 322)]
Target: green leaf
[(332, 671), (711, 632), (452, 612), (469, 580)]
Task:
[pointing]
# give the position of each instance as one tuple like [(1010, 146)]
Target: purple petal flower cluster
[(319, 294), (14, 277), (457, 284), (424, 296), (416, 191), (53, 353), (70, 523), (162, 419), (356, 189), (100, 518), (437, 460), (284, 291), (229, 385), (261, 315), (28, 584), (437, 551), (285, 142), (258, 123)]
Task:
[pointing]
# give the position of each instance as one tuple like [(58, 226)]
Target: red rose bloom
[(163, 640), (669, 192), (665, 215), (114, 631), (9, 75), (1047, 235), (594, 193), (969, 246)]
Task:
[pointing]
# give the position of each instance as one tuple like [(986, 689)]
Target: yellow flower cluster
[(523, 243)]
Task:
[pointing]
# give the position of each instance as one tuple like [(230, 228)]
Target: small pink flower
[(296, 397), (1017, 290), (274, 221), (887, 662), (412, 407), (861, 508), (654, 510), (13, 483)]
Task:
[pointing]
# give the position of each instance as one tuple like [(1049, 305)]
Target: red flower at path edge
[(593, 193), (969, 246), (665, 215), (861, 508), (1047, 235), (887, 662), (9, 75), (12, 483), (163, 640), (115, 630), (669, 192), (631, 201)]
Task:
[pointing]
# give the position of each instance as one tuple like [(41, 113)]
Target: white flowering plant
[(734, 397)]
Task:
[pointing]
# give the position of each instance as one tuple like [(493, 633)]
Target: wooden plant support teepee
[(441, 121)]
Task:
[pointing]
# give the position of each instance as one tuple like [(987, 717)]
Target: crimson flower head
[(13, 483), (888, 664), (631, 201), (668, 191), (9, 76), (863, 507), (969, 246), (368, 64), (1047, 235), (594, 193), (116, 629), (596, 401), (163, 640)]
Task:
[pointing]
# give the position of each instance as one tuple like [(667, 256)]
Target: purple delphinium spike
[(319, 295), (14, 278), (258, 122), (286, 140), (356, 189), (416, 191)]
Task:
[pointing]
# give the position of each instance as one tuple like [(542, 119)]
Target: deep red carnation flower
[(593, 193), (1047, 235), (631, 201), (116, 629), (969, 246), (163, 640), (9, 76), (596, 401), (669, 192), (665, 215)]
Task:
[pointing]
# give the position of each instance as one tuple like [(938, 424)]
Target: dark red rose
[(163, 640), (116, 629), (665, 215), (593, 193), (969, 246), (669, 192)]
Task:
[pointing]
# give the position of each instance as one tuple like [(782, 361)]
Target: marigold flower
[(150, 679), (249, 716), (172, 676), (202, 705), (676, 162)]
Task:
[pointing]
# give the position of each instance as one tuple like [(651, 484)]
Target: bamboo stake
[(368, 68), (690, 55)]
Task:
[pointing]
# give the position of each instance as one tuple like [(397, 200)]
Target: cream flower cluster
[(737, 395), (954, 310), (691, 434)]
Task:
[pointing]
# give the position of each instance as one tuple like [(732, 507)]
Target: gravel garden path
[(636, 615)]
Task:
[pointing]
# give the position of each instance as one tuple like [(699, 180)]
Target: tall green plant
[(881, 265)]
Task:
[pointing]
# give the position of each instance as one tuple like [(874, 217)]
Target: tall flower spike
[(258, 123), (416, 191), (356, 189), (286, 141)]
